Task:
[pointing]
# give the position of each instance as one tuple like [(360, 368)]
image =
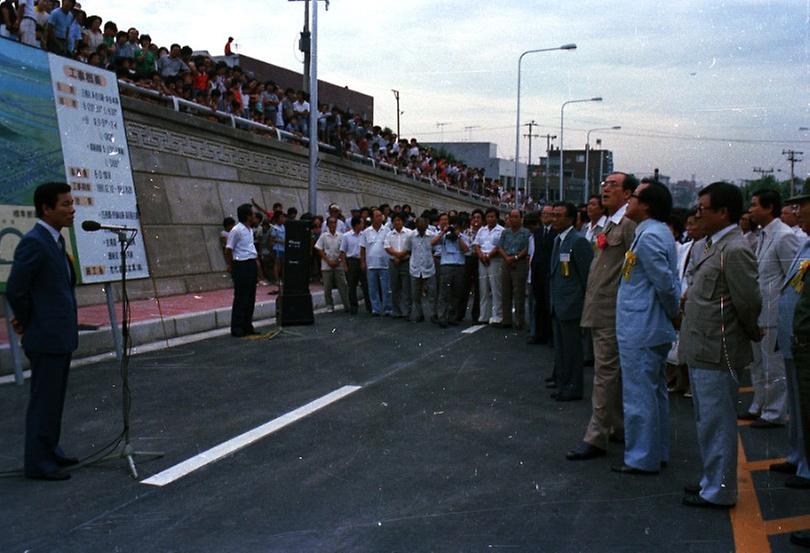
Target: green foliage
[(441, 153), (770, 182)]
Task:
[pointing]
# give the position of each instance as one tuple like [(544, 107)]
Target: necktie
[(708, 245), (555, 251)]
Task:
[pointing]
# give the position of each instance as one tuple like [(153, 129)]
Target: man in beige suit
[(599, 314), (720, 320)]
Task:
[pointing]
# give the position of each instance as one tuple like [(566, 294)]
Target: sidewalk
[(158, 319)]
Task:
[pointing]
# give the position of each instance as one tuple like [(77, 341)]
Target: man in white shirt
[(350, 247), (242, 260), (398, 246), (489, 268), (596, 218), (374, 260), (27, 22), (790, 219), (332, 271), (342, 226), (423, 271)]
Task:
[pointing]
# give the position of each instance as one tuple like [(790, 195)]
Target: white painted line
[(243, 440), (9, 379), (472, 329)]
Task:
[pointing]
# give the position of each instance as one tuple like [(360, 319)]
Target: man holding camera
[(451, 246)]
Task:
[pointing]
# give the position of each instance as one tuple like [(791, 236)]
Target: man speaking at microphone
[(40, 290)]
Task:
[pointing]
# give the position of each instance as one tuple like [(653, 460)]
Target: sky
[(706, 88)]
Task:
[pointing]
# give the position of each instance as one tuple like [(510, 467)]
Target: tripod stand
[(125, 449)]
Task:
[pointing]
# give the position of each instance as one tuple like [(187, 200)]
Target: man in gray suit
[(570, 263), (722, 308), (776, 246)]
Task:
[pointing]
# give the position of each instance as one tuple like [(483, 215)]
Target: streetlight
[(804, 128), (562, 150), (396, 95), (517, 124), (587, 151)]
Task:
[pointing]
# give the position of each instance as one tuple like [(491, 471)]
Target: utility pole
[(549, 138), (531, 124), (304, 46), (396, 95), (793, 160), (441, 127), (468, 129)]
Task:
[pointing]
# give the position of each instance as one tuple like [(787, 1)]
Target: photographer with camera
[(451, 245)]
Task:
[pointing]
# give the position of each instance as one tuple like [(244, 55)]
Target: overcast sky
[(711, 88)]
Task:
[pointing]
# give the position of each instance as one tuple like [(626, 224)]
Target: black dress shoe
[(585, 452), (692, 489), (551, 384), (697, 501), (532, 340), (56, 476), (797, 482), (567, 398), (762, 424), (553, 395), (549, 379), (67, 461), (801, 538), (784, 468), (747, 417), (627, 469)]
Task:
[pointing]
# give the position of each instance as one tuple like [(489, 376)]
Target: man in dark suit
[(541, 261), (40, 290), (570, 263)]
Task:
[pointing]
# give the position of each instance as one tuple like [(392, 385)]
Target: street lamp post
[(562, 149), (396, 95), (587, 152), (517, 123)]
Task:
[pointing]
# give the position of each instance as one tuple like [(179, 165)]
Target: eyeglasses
[(609, 183)]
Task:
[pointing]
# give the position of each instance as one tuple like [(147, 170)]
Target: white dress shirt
[(616, 218), (422, 264), (590, 231), (240, 242), (487, 238), (373, 241), (399, 241), (350, 244), (329, 244)]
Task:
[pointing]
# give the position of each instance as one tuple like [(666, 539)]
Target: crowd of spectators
[(66, 29)]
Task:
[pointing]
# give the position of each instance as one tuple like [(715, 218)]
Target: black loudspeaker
[(294, 305)]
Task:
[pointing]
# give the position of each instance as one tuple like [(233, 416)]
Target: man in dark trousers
[(543, 243), (570, 264), (240, 253), (40, 291)]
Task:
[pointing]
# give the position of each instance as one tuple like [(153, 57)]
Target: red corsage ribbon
[(601, 241)]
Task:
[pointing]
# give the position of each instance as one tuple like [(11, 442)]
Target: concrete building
[(484, 155), (546, 175)]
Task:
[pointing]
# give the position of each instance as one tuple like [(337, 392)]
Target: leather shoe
[(797, 482), (801, 538), (747, 417), (554, 395), (56, 476), (762, 424), (549, 379), (627, 469), (692, 489), (784, 468), (585, 452), (533, 340), (67, 461), (551, 384), (561, 397), (697, 501)]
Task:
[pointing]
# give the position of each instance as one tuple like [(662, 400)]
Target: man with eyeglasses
[(720, 322), (599, 314)]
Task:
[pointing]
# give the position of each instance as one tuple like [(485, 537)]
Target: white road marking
[(472, 329), (251, 436)]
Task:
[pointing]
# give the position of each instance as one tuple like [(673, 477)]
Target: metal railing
[(237, 122)]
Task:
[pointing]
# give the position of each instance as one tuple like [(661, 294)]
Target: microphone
[(92, 226)]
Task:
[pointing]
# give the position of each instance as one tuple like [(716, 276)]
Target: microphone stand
[(127, 451)]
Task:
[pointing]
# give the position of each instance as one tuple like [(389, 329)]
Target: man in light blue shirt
[(374, 260), (59, 24), (647, 305), (451, 245)]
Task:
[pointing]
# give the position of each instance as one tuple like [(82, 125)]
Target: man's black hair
[(492, 210), (173, 46), (397, 215), (724, 195), (356, 220), (770, 198), (477, 210), (228, 221), (243, 212), (47, 194), (570, 210), (630, 181), (596, 197), (292, 211), (657, 197)]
